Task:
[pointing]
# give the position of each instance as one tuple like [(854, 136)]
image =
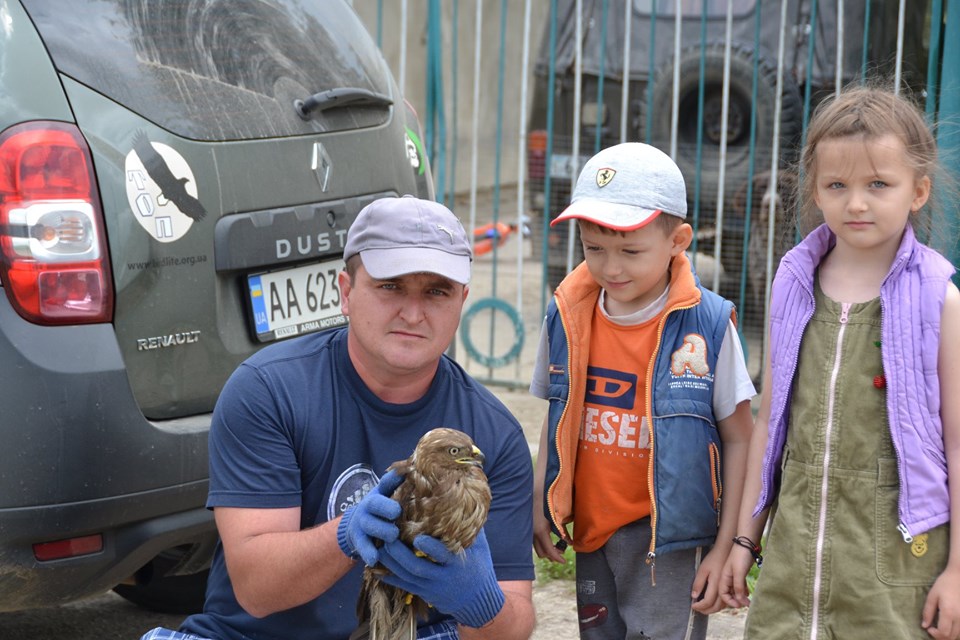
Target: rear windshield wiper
[(339, 98)]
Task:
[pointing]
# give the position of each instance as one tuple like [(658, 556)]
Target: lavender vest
[(911, 299)]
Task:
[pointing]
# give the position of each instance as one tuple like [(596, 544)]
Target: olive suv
[(176, 182)]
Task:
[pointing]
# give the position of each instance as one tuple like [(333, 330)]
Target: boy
[(648, 394)]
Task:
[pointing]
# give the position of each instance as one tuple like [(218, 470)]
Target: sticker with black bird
[(161, 189)]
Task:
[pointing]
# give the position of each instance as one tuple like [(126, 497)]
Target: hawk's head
[(445, 450)]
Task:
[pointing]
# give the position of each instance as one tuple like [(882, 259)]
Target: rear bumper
[(79, 458), (26, 583)]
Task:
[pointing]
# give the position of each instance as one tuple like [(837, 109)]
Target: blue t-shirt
[(295, 426)]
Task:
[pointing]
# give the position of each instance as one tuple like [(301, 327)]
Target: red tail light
[(536, 154), (53, 252), (69, 548)]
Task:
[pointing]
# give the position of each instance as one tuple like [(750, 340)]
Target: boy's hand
[(943, 607), (542, 541), (733, 581), (706, 585)]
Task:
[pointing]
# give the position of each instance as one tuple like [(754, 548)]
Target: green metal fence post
[(948, 132), (436, 123)]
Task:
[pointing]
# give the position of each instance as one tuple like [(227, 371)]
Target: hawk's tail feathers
[(362, 632), (393, 614)]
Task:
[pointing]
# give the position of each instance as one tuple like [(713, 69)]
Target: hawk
[(445, 495)]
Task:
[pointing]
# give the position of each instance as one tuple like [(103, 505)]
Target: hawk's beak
[(477, 459)]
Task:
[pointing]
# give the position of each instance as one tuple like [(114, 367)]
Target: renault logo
[(321, 165)]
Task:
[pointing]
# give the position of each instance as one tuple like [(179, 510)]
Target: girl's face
[(633, 268), (867, 190)]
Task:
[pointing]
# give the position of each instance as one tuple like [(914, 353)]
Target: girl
[(858, 433)]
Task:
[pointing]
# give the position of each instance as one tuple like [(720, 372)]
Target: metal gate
[(514, 97)]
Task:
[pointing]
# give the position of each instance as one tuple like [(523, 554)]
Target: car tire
[(174, 594), (738, 128), (154, 590)]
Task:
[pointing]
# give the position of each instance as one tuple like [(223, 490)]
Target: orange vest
[(681, 487)]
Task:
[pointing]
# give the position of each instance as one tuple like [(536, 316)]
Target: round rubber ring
[(494, 305)]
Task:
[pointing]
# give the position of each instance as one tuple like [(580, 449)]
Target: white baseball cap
[(399, 236), (626, 186)]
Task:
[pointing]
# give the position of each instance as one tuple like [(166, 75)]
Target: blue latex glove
[(369, 520), (463, 586)]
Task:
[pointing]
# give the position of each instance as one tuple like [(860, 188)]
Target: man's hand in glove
[(462, 586), (370, 520)]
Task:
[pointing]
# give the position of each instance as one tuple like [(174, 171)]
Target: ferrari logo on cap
[(605, 175)]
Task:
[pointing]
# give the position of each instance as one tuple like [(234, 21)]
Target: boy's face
[(633, 267)]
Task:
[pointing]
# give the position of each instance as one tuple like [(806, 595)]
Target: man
[(304, 428)]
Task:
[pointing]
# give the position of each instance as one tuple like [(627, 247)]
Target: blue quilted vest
[(685, 473)]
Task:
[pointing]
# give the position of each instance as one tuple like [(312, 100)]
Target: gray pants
[(615, 597)]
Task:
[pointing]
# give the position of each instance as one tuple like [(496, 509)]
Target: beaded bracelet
[(747, 543)]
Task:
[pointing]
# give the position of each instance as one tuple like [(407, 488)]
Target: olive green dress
[(835, 565)]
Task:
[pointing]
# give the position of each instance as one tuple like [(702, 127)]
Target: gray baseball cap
[(399, 236), (626, 186)]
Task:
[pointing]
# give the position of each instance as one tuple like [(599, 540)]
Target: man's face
[(403, 325)]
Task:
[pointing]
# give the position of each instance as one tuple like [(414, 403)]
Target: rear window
[(217, 69), (694, 8)]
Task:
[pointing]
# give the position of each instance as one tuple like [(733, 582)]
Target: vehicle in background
[(754, 44), (176, 182)]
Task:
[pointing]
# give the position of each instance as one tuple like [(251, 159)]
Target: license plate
[(561, 166), (292, 302)]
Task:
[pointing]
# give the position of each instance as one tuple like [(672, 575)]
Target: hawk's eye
[(454, 451)]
